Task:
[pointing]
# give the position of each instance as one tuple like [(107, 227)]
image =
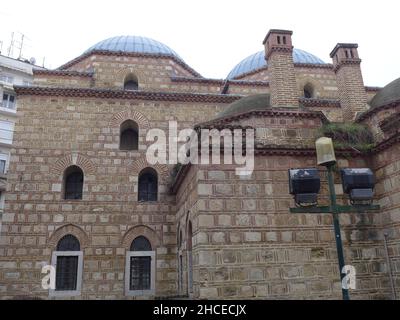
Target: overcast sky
[(212, 36)]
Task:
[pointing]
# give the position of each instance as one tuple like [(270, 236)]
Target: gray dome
[(257, 61), (250, 103), (388, 94), (134, 44)]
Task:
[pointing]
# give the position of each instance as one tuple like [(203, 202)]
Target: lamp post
[(326, 157), (336, 226)]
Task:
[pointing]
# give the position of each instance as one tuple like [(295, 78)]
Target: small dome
[(389, 93), (134, 44), (257, 61), (246, 104)]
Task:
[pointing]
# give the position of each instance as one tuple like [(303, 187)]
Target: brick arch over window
[(307, 82), (141, 163), (74, 159), (140, 230), (120, 117), (125, 72), (76, 231)]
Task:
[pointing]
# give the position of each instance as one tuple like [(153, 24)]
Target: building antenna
[(10, 48), (22, 44)]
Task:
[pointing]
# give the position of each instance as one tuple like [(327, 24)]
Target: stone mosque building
[(82, 197)]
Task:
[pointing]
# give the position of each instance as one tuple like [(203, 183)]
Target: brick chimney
[(282, 79), (352, 94)]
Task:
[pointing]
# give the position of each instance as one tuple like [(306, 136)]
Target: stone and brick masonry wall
[(250, 246), (55, 132), (387, 171)]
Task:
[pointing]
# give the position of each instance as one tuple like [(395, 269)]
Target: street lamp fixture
[(325, 152), (304, 184), (359, 185)]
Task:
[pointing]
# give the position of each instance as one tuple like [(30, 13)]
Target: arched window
[(141, 244), (190, 257), (141, 267), (131, 82), (68, 243), (148, 185), (68, 263), (129, 135), (73, 183), (308, 91)]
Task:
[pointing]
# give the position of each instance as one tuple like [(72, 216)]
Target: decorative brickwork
[(279, 54), (139, 164), (244, 242), (137, 231), (350, 83), (76, 231), (134, 115), (73, 159)]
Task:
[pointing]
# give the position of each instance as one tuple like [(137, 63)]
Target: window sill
[(137, 293), (64, 294), (8, 110)]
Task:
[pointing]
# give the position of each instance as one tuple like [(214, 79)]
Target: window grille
[(148, 186)]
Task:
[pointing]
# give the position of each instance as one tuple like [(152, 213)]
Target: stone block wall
[(322, 80), (63, 81), (53, 133), (387, 166), (252, 247)]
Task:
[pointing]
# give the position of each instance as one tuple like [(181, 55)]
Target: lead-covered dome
[(256, 102), (388, 94), (134, 44), (257, 61)]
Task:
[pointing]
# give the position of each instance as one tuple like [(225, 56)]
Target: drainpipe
[(389, 267)]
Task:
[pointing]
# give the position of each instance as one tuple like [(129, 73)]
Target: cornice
[(67, 73), (277, 48), (125, 94), (320, 103), (271, 112), (346, 62), (220, 81)]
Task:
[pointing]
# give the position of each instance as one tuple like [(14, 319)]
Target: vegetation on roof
[(354, 136)]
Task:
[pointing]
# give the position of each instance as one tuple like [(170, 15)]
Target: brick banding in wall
[(73, 159), (129, 54), (296, 65), (76, 231)]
